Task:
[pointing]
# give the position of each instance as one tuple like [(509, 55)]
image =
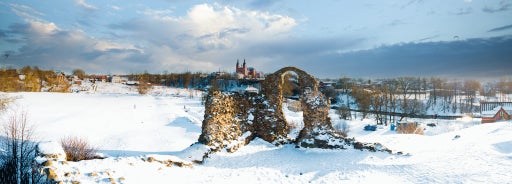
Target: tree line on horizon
[(377, 95), (30, 79), (35, 80), (393, 99)]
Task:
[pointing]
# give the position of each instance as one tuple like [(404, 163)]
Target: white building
[(119, 79)]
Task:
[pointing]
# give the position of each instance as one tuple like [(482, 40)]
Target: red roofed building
[(247, 72), (497, 114)]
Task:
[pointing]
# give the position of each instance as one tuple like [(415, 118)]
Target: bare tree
[(470, 88), (343, 128), (436, 84), (77, 149), (345, 84), (343, 112), (405, 84), (144, 85), (79, 73), (187, 78), (391, 90), (17, 161), (363, 99), (376, 105)]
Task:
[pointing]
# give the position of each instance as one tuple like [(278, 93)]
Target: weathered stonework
[(232, 120), (226, 123), (318, 131)]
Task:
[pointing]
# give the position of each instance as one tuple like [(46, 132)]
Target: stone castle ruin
[(232, 120)]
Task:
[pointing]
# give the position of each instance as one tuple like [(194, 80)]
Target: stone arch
[(273, 126), (317, 123), (232, 120)]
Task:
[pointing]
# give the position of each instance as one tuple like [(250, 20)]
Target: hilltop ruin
[(232, 120)]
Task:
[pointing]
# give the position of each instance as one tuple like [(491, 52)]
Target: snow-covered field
[(129, 128)]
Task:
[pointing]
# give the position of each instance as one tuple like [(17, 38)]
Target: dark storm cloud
[(397, 22), (155, 42), (464, 11), (427, 38), (230, 31), (327, 58), (501, 28), (474, 58), (504, 5), (294, 47), (411, 2), (67, 50), (11, 35)]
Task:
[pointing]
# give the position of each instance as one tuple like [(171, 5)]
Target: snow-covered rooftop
[(493, 112)]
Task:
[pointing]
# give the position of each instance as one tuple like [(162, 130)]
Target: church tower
[(244, 66)]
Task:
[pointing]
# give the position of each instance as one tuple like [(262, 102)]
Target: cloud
[(504, 5), (115, 7), (157, 13), (48, 46), (197, 41), (473, 58), (84, 4), (25, 12), (501, 28), (260, 4), (397, 22), (295, 48), (206, 25), (211, 37), (411, 2), (464, 11), (205, 32), (428, 38)]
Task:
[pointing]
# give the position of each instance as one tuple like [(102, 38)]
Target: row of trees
[(179, 80), (409, 96), (31, 80), (386, 102), (185, 80)]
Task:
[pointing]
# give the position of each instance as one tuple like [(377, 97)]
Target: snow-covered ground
[(129, 128)]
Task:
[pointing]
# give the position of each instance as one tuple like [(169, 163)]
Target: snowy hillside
[(130, 129)]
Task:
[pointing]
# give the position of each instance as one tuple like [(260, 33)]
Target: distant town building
[(495, 111), (327, 84), (119, 79), (245, 90), (22, 77), (244, 72), (61, 77), (98, 78), (218, 74)]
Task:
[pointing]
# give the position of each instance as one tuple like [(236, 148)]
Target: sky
[(326, 38)]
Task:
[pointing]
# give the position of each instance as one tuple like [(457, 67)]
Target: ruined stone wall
[(270, 121), (318, 131), (224, 124), (233, 119)]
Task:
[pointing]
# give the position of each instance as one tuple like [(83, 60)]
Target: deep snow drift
[(130, 128)]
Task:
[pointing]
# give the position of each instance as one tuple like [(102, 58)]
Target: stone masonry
[(232, 120)]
